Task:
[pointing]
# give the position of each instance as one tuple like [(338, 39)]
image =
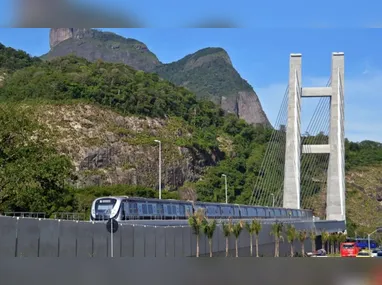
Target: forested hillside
[(49, 108), (208, 73)]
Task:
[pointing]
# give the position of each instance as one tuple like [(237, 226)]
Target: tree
[(302, 235), (32, 172), (325, 240), (236, 229), (253, 228), (312, 236), (341, 239), (196, 222), (332, 240), (276, 231), (291, 234), (257, 229), (227, 231), (209, 229)]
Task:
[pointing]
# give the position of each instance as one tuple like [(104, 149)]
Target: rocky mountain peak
[(58, 35)]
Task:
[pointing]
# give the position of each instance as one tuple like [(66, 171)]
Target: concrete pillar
[(291, 196), (335, 203)]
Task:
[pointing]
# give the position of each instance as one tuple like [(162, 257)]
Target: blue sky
[(261, 56)]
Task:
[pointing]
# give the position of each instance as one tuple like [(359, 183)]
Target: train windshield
[(104, 206)]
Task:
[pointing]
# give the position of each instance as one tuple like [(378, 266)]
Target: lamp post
[(226, 192), (368, 236), (160, 168), (273, 200)]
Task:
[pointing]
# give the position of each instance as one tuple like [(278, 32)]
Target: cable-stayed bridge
[(301, 169), (306, 168)]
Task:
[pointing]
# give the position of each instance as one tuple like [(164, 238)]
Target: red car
[(349, 249)]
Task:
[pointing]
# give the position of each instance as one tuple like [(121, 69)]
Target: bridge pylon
[(335, 200)]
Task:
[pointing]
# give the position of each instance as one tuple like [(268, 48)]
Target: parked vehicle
[(349, 249), (364, 253)]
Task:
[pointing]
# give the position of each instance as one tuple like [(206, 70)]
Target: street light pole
[(160, 168), (226, 191), (368, 236), (273, 200)]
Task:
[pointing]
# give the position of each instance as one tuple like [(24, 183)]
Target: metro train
[(122, 208)]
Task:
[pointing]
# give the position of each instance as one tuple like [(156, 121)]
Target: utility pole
[(160, 168), (226, 192), (273, 200)]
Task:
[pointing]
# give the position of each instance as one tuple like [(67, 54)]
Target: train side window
[(169, 210), (188, 210), (295, 213), (160, 209), (284, 213), (144, 209), (174, 210), (133, 208), (150, 208), (181, 210)]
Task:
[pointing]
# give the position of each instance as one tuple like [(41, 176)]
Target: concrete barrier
[(27, 237)]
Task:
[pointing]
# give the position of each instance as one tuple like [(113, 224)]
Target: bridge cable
[(274, 161), (256, 192)]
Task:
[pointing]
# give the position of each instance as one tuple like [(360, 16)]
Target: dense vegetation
[(134, 92), (216, 78), (34, 177), (11, 59)]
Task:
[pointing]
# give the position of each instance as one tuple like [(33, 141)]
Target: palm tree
[(196, 221), (312, 236), (253, 228), (227, 230), (302, 235), (236, 229), (341, 239), (325, 238), (332, 239), (258, 228), (291, 233), (276, 231), (209, 229)]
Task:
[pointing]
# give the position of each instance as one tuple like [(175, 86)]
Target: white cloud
[(363, 104)]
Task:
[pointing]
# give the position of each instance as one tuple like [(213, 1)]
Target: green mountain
[(208, 73)]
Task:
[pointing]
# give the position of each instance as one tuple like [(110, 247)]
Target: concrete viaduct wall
[(27, 237)]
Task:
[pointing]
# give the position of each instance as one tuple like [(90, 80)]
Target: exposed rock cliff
[(93, 44), (108, 148)]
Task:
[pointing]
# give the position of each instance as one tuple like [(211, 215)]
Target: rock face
[(107, 148), (93, 45), (208, 73), (58, 35)]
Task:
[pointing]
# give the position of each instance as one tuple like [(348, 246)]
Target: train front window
[(104, 206)]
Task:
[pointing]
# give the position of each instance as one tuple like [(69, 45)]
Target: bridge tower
[(335, 200)]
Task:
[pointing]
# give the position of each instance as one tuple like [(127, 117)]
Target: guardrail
[(25, 214), (70, 216)]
